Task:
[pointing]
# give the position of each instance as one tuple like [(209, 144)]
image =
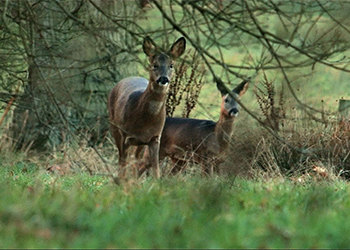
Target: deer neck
[(223, 130), (152, 101)]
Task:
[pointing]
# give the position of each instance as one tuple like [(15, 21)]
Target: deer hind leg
[(179, 166), (137, 162), (142, 164), (216, 165), (122, 149), (207, 166), (207, 169), (211, 167)]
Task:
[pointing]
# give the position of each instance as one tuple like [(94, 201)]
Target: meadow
[(45, 210)]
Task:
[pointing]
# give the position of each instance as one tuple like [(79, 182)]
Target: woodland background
[(59, 60)]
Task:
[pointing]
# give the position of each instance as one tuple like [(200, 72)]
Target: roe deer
[(137, 105), (200, 141)]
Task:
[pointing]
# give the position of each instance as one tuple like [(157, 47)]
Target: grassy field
[(277, 201), (43, 210)]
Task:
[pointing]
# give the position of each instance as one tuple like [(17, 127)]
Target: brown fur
[(137, 105), (201, 141)]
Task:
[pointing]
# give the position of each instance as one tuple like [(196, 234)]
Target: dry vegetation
[(230, 39), (186, 86), (300, 148)]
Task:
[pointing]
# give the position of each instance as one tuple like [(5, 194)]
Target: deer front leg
[(153, 147), (144, 163), (123, 154)]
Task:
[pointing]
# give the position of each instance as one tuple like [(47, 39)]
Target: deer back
[(185, 137), (201, 139)]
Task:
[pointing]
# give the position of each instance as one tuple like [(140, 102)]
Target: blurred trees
[(59, 59), (65, 55)]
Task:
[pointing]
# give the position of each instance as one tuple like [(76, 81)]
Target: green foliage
[(80, 211)]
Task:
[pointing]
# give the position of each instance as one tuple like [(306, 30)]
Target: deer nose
[(233, 112), (163, 80)]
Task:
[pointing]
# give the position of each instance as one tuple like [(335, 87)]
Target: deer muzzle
[(233, 112), (163, 81)]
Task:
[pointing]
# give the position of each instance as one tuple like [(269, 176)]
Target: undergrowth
[(298, 148), (291, 143)]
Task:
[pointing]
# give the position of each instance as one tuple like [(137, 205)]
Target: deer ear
[(178, 48), (241, 88), (220, 86), (149, 47)]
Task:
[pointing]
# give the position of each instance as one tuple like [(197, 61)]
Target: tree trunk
[(71, 70)]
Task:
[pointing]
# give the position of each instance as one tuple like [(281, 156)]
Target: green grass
[(79, 211)]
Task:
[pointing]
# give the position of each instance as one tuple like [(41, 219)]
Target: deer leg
[(178, 167), (122, 149), (138, 152), (207, 169), (145, 167), (216, 168), (211, 168), (153, 148), (143, 164)]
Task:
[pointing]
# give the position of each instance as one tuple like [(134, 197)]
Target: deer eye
[(155, 67), (171, 66), (226, 100)]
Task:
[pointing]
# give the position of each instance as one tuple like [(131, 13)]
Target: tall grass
[(299, 144)]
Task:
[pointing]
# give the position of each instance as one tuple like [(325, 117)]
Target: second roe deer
[(200, 141), (137, 105)]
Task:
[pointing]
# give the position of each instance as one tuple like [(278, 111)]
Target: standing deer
[(137, 105), (200, 141)]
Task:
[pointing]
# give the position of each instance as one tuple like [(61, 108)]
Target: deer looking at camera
[(200, 141), (137, 105)]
